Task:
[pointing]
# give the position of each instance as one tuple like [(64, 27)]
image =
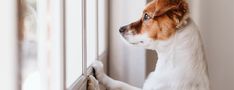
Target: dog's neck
[(182, 51)]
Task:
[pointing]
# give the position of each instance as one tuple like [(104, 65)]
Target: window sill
[(81, 82)]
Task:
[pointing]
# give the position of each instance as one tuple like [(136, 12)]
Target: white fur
[(137, 40), (181, 64)]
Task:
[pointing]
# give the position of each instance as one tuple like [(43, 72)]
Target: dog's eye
[(146, 17)]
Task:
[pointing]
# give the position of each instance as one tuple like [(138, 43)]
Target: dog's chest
[(171, 82), (156, 82), (161, 80)]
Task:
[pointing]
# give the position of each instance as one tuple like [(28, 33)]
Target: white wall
[(126, 63), (216, 21)]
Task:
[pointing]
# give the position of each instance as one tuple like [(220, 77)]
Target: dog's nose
[(123, 29)]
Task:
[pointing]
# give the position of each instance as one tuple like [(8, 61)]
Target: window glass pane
[(28, 45), (73, 41), (91, 25), (102, 19)]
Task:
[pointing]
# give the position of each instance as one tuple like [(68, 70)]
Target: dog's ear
[(179, 10), (162, 6)]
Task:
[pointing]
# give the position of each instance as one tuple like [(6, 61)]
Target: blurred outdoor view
[(28, 45)]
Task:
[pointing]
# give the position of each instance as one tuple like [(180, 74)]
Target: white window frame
[(9, 45)]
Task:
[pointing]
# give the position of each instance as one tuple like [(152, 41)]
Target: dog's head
[(160, 20)]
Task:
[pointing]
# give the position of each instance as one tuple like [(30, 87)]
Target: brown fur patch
[(166, 17)]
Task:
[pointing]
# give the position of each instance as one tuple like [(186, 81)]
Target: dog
[(166, 27)]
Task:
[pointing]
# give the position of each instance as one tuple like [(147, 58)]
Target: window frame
[(9, 46), (58, 39)]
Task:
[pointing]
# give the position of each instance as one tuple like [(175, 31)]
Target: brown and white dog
[(165, 26)]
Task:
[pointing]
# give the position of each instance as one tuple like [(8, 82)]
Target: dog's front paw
[(92, 83), (98, 68)]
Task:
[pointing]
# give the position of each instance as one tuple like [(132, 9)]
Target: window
[(28, 45), (102, 28), (83, 22), (58, 41), (41, 45), (73, 44), (91, 30)]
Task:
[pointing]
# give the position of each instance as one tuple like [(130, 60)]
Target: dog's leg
[(108, 82)]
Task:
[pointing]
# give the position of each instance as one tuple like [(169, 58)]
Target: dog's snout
[(123, 29)]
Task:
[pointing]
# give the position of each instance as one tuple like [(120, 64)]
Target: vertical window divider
[(63, 26), (20, 28), (97, 28), (84, 38)]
